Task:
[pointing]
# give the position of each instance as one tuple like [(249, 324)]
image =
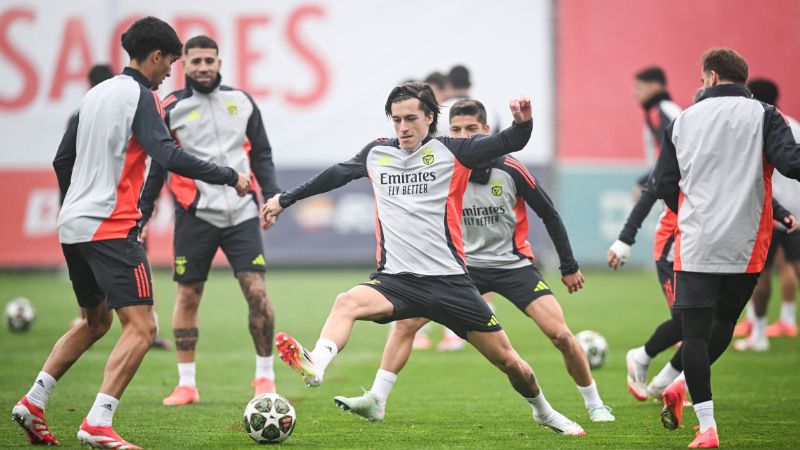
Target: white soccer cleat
[(293, 354), (366, 406), (637, 376), (750, 344), (560, 424), (601, 413)]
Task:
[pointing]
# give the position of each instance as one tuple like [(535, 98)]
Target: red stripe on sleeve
[(522, 170)]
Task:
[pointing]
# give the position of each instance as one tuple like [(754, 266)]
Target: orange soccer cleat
[(31, 419), (781, 329), (706, 439), (674, 397), (263, 385), (182, 395), (102, 437), (743, 329)]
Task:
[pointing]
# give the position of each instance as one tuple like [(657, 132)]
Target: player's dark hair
[(99, 73), (729, 65), (764, 90), (652, 74), (459, 77), (436, 79), (201, 41), (148, 35), (469, 107), (419, 91)]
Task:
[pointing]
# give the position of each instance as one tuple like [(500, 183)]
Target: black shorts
[(450, 300), (789, 242), (521, 286), (196, 242), (727, 293), (666, 278), (115, 271)]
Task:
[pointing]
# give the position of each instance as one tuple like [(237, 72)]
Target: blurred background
[(321, 70)]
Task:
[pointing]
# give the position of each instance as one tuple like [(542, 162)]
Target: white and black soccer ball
[(595, 347), (269, 419), (20, 315)]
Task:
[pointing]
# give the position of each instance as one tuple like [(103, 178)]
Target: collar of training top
[(726, 90), (203, 89), (136, 75), (656, 99)]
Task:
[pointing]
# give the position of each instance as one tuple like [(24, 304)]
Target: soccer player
[(499, 259), (216, 123), (650, 90), (419, 182), (714, 172), (788, 191), (101, 166)]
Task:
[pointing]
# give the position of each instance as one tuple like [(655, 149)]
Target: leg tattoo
[(185, 338), (261, 317)]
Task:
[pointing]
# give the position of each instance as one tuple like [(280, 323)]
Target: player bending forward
[(499, 259), (419, 183)]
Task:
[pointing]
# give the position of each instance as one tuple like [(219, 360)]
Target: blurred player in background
[(724, 219), (499, 259), (783, 242), (419, 182), (216, 123), (440, 85), (101, 165)]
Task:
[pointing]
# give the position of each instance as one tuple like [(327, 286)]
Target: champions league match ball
[(19, 315), (269, 419), (595, 347)]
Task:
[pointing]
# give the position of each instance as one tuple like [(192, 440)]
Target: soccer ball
[(595, 347), (269, 419), (20, 315)]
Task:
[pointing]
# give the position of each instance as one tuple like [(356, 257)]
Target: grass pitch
[(441, 400)]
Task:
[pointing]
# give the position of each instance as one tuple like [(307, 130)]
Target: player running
[(419, 182), (101, 166), (499, 259), (215, 123)]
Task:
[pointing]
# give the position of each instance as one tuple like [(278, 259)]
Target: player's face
[(162, 67), (202, 65), (645, 90), (410, 123), (466, 126)]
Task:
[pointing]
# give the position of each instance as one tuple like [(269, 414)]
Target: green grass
[(440, 400)]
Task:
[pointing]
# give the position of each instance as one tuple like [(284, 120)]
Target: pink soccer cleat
[(103, 437), (706, 439), (31, 419), (182, 395), (781, 329), (263, 385), (674, 397)]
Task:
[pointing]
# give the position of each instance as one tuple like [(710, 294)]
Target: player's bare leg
[(138, 329), (496, 347), (547, 314), (261, 323), (786, 325), (359, 303), (186, 332)]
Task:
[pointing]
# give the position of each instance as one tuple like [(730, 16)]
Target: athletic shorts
[(789, 242), (727, 293), (666, 278), (115, 271), (196, 242), (521, 286), (450, 300)]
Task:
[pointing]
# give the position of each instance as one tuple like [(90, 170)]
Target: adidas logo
[(541, 286), (492, 322), (106, 406), (330, 349), (259, 261), (40, 383)]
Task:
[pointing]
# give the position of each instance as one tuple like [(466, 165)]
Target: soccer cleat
[(744, 328), (706, 439), (421, 341), (366, 406), (748, 343), (450, 344), (263, 385), (601, 413), (160, 343), (673, 396), (781, 329), (293, 354), (31, 419), (560, 424), (637, 375), (182, 395), (102, 437)]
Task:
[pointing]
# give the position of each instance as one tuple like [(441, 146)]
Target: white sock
[(186, 373), (705, 414), (323, 353), (666, 376), (641, 356), (541, 407), (383, 384), (759, 329), (591, 398), (264, 367), (789, 312), (448, 333), (750, 312), (41, 390), (102, 412)]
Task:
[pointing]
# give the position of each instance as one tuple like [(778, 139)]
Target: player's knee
[(99, 326), (511, 364), (562, 339), (256, 296), (189, 297), (144, 328), (345, 303), (409, 327)]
